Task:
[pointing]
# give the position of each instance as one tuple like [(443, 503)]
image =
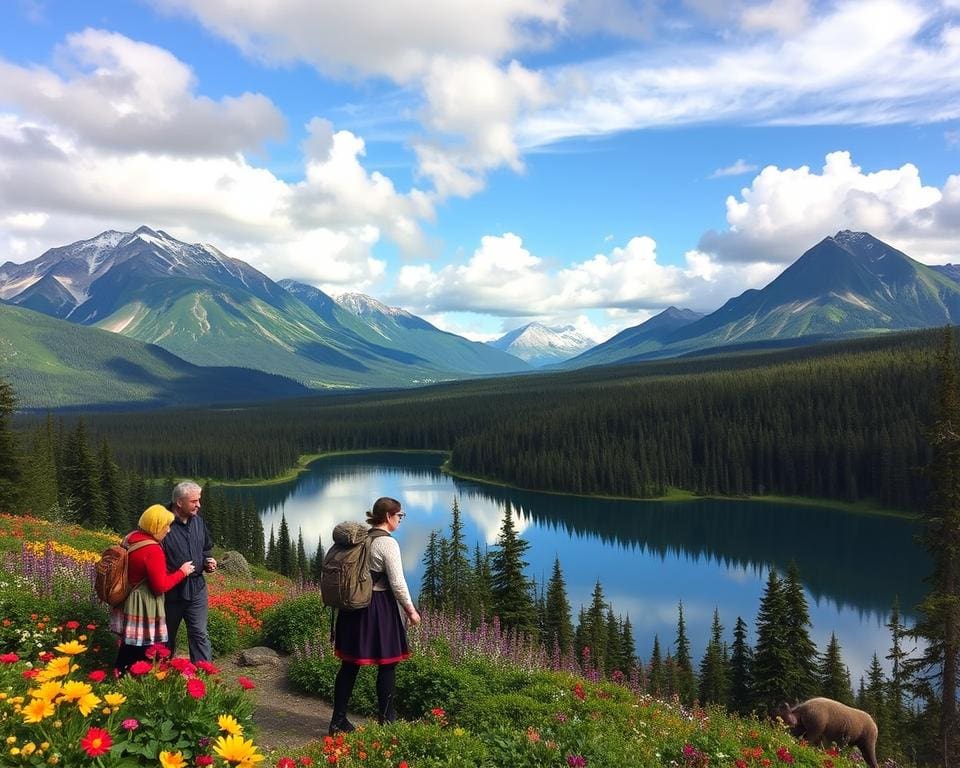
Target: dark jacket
[(188, 541)]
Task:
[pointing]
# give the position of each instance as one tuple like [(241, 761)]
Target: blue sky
[(487, 164)]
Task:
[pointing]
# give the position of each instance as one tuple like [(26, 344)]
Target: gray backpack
[(345, 580)]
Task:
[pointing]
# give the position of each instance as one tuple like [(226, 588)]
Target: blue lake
[(649, 556)]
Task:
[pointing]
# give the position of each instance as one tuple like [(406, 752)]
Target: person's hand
[(210, 565), (188, 568), (413, 616)]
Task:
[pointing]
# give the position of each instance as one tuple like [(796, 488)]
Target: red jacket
[(150, 563)]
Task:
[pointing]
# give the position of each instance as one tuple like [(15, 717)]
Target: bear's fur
[(822, 721)]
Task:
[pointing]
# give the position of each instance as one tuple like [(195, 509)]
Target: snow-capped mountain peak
[(362, 305), (540, 344)]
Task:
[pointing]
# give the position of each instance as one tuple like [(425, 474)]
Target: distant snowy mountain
[(541, 345)]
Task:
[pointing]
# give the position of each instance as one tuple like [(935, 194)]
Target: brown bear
[(822, 721)]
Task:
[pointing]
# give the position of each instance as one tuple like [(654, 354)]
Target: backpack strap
[(139, 545)]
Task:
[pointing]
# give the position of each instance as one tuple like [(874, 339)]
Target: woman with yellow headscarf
[(141, 620)]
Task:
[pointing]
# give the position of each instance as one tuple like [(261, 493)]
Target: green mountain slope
[(55, 364)]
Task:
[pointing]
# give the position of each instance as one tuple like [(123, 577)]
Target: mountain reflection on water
[(647, 555)]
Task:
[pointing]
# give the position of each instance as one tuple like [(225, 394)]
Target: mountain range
[(541, 345), (848, 284), (190, 324), (213, 310)]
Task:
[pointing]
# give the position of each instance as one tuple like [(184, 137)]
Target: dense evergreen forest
[(840, 421)]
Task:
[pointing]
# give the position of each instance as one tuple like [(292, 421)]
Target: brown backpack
[(111, 581), (345, 580)]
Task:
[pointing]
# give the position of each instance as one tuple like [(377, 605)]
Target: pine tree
[(656, 675), (302, 566), (686, 679), (801, 682), (483, 599), (39, 473), (628, 646), (82, 476), (557, 625), (255, 524), (897, 688), (772, 664), (115, 503), (713, 667), (430, 597), (612, 658), (10, 474), (271, 557), (938, 625), (594, 629), (512, 600), (875, 702), (316, 564), (740, 698), (284, 560), (833, 674), (460, 582)]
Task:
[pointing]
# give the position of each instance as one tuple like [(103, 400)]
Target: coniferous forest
[(840, 421)]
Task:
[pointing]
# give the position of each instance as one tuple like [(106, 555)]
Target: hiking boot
[(340, 724)]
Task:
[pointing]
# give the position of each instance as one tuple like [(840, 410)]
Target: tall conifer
[(512, 598), (686, 679), (833, 674), (10, 474), (772, 663), (558, 626), (740, 697)]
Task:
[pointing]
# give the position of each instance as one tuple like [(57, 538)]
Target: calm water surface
[(648, 556)]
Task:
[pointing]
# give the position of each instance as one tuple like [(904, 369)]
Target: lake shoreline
[(675, 495)]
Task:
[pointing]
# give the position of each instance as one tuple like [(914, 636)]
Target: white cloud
[(891, 70), (786, 211), (504, 278), (397, 39), (125, 95), (783, 16), (738, 168)]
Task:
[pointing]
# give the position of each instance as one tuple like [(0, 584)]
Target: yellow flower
[(29, 748), (172, 760), (114, 699), (237, 750), (87, 702), (11, 739), (37, 710), (160, 674), (73, 690), (229, 724), (71, 648), (15, 751), (58, 667), (48, 691)]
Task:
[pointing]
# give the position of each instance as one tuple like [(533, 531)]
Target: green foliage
[(294, 622), (223, 632), (510, 588), (9, 451)]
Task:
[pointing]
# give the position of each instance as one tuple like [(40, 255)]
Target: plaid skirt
[(143, 618), (372, 635)]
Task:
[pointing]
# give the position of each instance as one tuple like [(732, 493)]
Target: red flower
[(157, 649), (207, 667), (91, 627), (203, 760), (72, 625), (196, 688), (305, 760), (140, 667), (579, 692), (784, 754), (97, 742), (30, 673), (45, 656), (182, 665), (246, 683), (437, 712), (286, 762), (97, 676), (9, 658)]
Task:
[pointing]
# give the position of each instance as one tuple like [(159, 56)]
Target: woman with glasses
[(376, 634)]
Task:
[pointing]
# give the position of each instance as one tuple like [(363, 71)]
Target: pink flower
[(196, 688), (203, 760), (97, 676), (9, 658), (246, 683), (286, 762), (30, 673), (130, 724), (157, 649), (184, 666), (207, 667), (72, 625), (576, 761), (140, 667)]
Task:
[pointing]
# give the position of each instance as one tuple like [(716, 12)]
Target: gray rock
[(258, 657), (234, 564)]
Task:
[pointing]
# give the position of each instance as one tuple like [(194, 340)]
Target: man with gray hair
[(189, 539)]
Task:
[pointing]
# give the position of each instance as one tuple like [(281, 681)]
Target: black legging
[(127, 655), (343, 688)]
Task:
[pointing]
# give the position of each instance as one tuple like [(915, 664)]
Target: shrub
[(295, 622), (506, 711), (222, 630)]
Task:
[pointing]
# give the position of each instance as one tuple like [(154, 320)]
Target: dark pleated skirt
[(372, 635)]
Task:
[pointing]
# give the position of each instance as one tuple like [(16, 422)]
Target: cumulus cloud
[(121, 94), (503, 278), (786, 211)]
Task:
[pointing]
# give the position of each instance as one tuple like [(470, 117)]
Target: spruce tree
[(557, 624), (740, 698), (512, 600), (114, 500), (612, 658), (429, 597), (39, 473), (271, 556), (772, 664), (82, 476), (284, 560), (594, 631), (897, 686), (628, 646), (316, 564), (937, 670), (10, 474), (483, 599), (875, 702), (459, 576), (686, 679), (302, 566), (713, 667), (801, 682), (833, 674), (656, 675)]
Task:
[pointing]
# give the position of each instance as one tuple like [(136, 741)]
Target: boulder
[(258, 657), (234, 564)]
